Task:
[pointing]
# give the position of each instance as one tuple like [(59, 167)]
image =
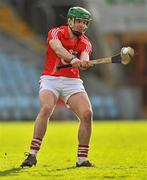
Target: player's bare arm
[(84, 61), (61, 52)]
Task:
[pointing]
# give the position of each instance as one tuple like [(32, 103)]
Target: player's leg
[(47, 103), (81, 105)]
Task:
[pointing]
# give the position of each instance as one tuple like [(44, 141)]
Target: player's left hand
[(85, 65)]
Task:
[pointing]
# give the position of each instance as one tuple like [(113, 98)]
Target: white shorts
[(62, 87)]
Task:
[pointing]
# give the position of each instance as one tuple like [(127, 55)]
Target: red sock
[(35, 146), (82, 153)]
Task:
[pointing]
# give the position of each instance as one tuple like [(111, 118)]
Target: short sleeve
[(86, 46), (53, 34)]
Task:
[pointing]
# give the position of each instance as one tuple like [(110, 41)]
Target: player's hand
[(85, 65), (75, 62)]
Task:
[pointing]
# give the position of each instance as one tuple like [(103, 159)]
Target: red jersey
[(75, 47)]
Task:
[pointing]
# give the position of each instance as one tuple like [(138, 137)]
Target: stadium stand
[(18, 88), (20, 53), (15, 25)]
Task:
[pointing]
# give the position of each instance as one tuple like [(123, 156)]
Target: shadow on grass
[(12, 171), (60, 169), (66, 168)]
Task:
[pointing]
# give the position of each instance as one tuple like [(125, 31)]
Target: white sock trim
[(81, 159), (33, 152)]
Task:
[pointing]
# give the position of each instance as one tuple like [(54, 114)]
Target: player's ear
[(70, 22)]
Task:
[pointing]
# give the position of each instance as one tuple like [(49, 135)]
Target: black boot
[(29, 161), (85, 164)]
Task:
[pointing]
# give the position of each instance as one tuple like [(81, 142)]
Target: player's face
[(80, 25)]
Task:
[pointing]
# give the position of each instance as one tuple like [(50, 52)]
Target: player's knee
[(87, 116), (46, 110)]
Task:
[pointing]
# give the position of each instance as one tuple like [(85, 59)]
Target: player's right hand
[(75, 62), (85, 65)]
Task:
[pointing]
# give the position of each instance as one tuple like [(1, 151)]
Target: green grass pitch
[(117, 148)]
